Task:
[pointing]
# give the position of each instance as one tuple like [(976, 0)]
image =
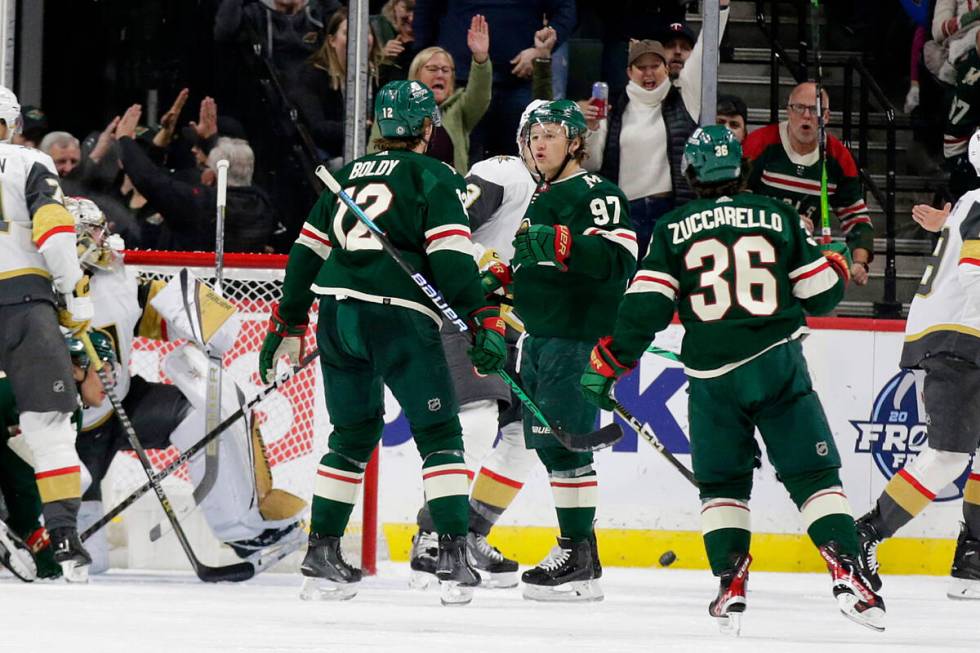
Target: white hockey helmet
[(522, 126), (97, 246), (973, 151), (10, 113)]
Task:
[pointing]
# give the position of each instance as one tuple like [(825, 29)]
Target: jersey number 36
[(755, 288)]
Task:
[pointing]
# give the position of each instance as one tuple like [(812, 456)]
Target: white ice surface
[(645, 610)]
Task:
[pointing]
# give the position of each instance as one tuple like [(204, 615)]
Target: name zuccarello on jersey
[(722, 216)]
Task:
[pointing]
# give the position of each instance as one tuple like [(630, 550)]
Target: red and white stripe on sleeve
[(813, 278), (625, 238), (314, 239), (651, 281), (449, 237), (854, 214)]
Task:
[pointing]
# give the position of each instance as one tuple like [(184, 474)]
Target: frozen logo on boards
[(897, 430)]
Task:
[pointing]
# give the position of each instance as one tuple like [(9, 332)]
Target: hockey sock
[(971, 500), (338, 480), (500, 479), (916, 485), (447, 482), (727, 530), (824, 507), (575, 488)]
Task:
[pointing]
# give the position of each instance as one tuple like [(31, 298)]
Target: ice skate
[(70, 554), (855, 598), (328, 576), (965, 574), (567, 574), (496, 570), (16, 556), (869, 539), (457, 577), (271, 546), (728, 606), (423, 560)]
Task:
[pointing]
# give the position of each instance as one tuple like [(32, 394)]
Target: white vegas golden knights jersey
[(945, 314), (119, 313), (498, 191), (37, 234)]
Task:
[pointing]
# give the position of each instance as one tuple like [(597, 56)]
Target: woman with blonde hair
[(320, 86), (461, 109)]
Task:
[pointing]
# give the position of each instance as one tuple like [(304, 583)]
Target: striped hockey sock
[(492, 494), (447, 483), (726, 526), (827, 516), (576, 496), (334, 494)]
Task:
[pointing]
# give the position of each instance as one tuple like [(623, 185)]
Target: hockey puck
[(668, 558)]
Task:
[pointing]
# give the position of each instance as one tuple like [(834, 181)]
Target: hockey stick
[(185, 456), (236, 572), (212, 416), (821, 127), (604, 437), (643, 430)]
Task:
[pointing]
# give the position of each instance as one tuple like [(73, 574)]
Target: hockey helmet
[(525, 118), (562, 112), (402, 107), (713, 154), (10, 113), (973, 151), (102, 344), (97, 246)]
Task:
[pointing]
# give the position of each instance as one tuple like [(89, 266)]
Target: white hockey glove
[(77, 313)]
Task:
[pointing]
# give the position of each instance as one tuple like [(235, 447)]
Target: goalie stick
[(236, 572), (197, 447), (604, 437)]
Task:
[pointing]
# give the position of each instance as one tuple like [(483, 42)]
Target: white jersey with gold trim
[(498, 191)]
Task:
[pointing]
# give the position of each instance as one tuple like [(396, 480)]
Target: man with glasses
[(786, 165)]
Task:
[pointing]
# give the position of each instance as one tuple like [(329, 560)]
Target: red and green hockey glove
[(496, 276), (489, 350), (840, 259), (601, 373), (283, 339), (543, 244)]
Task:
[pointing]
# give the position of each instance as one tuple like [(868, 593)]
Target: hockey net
[(293, 420)]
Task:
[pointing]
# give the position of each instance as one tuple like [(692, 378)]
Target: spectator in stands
[(678, 41), (512, 53), (64, 149), (785, 165), (319, 89), (188, 210), (461, 108), (34, 128), (393, 28), (640, 144), (289, 31), (733, 113)]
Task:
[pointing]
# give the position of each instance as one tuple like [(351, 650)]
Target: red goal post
[(293, 421)]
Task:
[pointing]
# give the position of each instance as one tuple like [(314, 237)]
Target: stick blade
[(236, 573), (605, 437)]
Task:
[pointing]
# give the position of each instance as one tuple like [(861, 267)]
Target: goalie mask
[(10, 113), (97, 246)]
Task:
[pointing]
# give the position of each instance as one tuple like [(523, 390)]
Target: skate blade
[(576, 591), (73, 572), (873, 618), (962, 589), (499, 581), (272, 555), (321, 589), (421, 580), (15, 558), (730, 624), (451, 592)]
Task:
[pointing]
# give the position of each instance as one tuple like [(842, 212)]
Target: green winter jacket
[(461, 112)]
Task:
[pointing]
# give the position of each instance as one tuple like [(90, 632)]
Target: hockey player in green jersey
[(572, 257), (377, 327), (741, 272)]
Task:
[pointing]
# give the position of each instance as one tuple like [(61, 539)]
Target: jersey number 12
[(374, 199)]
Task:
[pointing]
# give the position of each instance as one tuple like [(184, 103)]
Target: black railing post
[(889, 307), (803, 44), (863, 123), (848, 101)]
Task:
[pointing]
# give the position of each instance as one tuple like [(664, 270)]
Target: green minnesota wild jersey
[(581, 302), (740, 272), (419, 203)]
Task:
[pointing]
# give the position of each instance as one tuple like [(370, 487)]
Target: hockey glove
[(840, 259), (283, 339), (77, 313), (543, 244), (489, 351), (601, 373), (496, 276)]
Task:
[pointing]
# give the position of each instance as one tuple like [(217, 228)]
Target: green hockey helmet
[(100, 341), (713, 154), (402, 107), (562, 112)]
